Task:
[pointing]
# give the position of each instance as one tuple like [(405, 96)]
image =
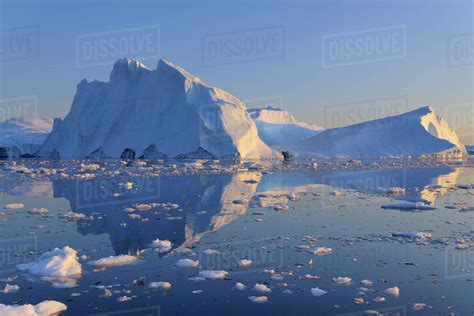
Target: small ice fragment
[(160, 285), (72, 216), (311, 277), (336, 193), (161, 245), (358, 300), (342, 280), (379, 299), (393, 291), (211, 252), (245, 262), (114, 261), (38, 211), (409, 206), (187, 263), (124, 298), (367, 283), (321, 251), (262, 288), (419, 306), (197, 279), (258, 299), (10, 289), (213, 274), (40, 309), (316, 291), (414, 235), (143, 207), (240, 286), (14, 206), (287, 292)]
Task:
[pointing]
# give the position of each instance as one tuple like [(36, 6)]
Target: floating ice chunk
[(10, 289), (41, 309), (258, 299), (160, 285), (213, 274), (240, 286), (211, 252), (409, 206), (413, 235), (72, 216), (342, 280), (197, 279), (14, 206), (161, 245), (64, 285), (359, 300), (114, 261), (379, 299), (367, 283), (245, 262), (311, 277), (462, 246), (143, 207), (187, 263), (391, 190), (262, 288), (57, 264), (419, 306), (287, 292), (320, 251), (280, 207), (124, 298), (316, 291), (38, 211), (393, 291), (336, 193)]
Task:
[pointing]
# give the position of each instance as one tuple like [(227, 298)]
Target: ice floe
[(316, 291), (342, 280), (240, 286), (161, 245), (187, 263), (10, 289), (245, 262), (14, 206), (160, 285), (213, 274), (409, 206), (60, 263), (114, 261), (44, 308), (258, 299), (392, 291), (262, 288)]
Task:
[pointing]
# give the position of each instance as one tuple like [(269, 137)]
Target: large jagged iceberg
[(278, 127), (417, 133), (166, 110)]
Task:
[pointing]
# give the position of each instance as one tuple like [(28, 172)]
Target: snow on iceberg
[(114, 261), (166, 109), (60, 264), (278, 127), (417, 133)]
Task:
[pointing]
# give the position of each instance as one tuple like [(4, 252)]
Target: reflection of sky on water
[(209, 202)]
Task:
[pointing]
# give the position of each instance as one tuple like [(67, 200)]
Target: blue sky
[(425, 57)]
